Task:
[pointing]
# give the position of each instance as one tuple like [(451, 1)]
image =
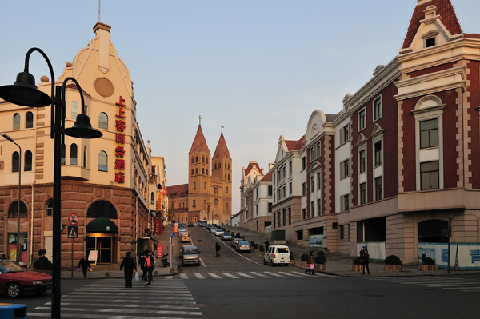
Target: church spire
[(222, 150), (199, 142)]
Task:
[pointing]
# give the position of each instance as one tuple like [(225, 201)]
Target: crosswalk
[(440, 282), (244, 275), (108, 299)]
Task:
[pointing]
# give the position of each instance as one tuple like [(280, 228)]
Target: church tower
[(222, 180)]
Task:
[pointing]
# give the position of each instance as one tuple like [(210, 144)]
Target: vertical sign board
[(157, 226), (159, 251)]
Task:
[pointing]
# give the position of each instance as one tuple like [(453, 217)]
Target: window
[(312, 184), (345, 134), (304, 163), (84, 165), (15, 162), (13, 210), (304, 213), (361, 120), (378, 153), (345, 202), (73, 110), (269, 207), (430, 42), (429, 133), (226, 189), (429, 175), (29, 120), (289, 215), (64, 155), (378, 188), (196, 170), (319, 207), (73, 154), (191, 161), (16, 121), (103, 121), (319, 181), (312, 209), (345, 169), (341, 232), (204, 185), (377, 108), (194, 203), (270, 190), (193, 171), (290, 164), (102, 161), (284, 213), (194, 185), (290, 186), (203, 170), (28, 161), (304, 189), (152, 198), (362, 161), (49, 208), (363, 193)]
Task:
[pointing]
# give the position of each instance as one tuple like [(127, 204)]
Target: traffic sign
[(73, 219), (72, 231), (162, 191)]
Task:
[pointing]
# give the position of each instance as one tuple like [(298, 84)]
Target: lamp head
[(24, 92), (82, 128)]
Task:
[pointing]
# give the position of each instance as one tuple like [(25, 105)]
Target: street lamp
[(19, 190), (25, 93)]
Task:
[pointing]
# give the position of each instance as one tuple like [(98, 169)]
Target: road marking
[(244, 275), (183, 275), (199, 275), (214, 275), (229, 275), (258, 274), (288, 274), (274, 274)]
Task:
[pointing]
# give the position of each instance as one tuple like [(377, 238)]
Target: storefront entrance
[(101, 241)]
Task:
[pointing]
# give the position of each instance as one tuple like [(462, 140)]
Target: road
[(234, 286)]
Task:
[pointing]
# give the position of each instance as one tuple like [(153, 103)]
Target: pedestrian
[(128, 264), (84, 263), (311, 264), (366, 261), (141, 262), (217, 249), (362, 251), (267, 244), (42, 263), (148, 266)]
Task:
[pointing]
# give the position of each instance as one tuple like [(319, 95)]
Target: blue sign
[(72, 231)]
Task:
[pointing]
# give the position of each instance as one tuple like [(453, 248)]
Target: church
[(208, 194)]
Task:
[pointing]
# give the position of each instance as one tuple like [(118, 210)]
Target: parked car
[(190, 225), (235, 242), (218, 232), (213, 229), (276, 255), (181, 232), (227, 236), (243, 245), (189, 255), (185, 237), (16, 281)]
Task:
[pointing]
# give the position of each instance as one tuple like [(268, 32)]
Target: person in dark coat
[(217, 249), (267, 244), (149, 264), (128, 264), (84, 263), (366, 262), (141, 262), (311, 261), (42, 263)]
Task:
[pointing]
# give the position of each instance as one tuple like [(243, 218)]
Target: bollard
[(11, 311)]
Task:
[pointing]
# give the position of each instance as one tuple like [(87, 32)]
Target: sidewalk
[(341, 265)]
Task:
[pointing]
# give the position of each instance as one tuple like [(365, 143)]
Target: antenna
[(99, 1), (222, 128), (200, 120)]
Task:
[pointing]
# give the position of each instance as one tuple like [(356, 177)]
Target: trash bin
[(12, 311)]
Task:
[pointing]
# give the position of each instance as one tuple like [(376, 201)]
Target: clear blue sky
[(257, 67)]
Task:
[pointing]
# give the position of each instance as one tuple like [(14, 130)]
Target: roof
[(447, 16), (298, 144), (267, 178), (178, 190), (199, 142), (222, 150), (331, 117), (251, 165)]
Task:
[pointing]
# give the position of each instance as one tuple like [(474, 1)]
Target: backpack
[(148, 262)]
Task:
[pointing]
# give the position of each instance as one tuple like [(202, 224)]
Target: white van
[(277, 254)]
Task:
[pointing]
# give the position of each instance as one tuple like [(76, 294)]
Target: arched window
[(196, 159), (203, 159), (28, 161), (194, 185), (152, 198), (16, 121), (192, 160), (193, 171), (226, 189), (206, 171), (196, 170), (84, 164), (103, 121), (102, 209), (102, 161), (13, 210), (29, 120), (228, 176), (15, 162), (73, 154), (49, 208), (203, 170), (204, 185), (194, 203)]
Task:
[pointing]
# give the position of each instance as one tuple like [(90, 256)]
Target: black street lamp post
[(25, 93)]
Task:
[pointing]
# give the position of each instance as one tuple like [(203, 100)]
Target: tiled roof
[(178, 190), (298, 144), (268, 177), (199, 142), (222, 150), (252, 165), (447, 16)]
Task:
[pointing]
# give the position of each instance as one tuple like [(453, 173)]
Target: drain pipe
[(31, 224)]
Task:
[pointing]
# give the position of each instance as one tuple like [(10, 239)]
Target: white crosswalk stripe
[(440, 282), (199, 275), (107, 298), (240, 274)]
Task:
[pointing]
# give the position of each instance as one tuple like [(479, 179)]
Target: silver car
[(243, 246), (189, 255), (218, 232), (227, 236)]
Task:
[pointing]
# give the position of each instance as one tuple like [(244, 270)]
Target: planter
[(428, 267), (292, 262), (303, 263), (357, 268), (393, 267), (320, 266)]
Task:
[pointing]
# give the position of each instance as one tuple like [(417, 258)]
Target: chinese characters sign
[(120, 126)]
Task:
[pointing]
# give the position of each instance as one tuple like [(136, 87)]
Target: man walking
[(217, 249), (128, 264), (148, 266), (84, 263)]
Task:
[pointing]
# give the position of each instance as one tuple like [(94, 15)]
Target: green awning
[(102, 225)]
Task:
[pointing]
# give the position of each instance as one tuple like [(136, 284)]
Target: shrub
[(357, 261), (261, 248), (393, 260), (428, 261), (238, 235), (304, 257), (320, 260)]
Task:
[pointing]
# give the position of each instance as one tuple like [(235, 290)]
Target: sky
[(257, 67)]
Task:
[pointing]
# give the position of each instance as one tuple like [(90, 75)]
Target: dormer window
[(430, 42)]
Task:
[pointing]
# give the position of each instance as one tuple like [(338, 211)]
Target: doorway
[(103, 246)]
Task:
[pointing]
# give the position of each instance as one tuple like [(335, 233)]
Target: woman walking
[(311, 264), (366, 262)]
